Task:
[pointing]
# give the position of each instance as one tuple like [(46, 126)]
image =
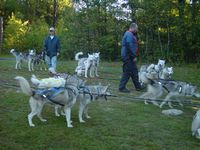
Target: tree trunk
[(1, 33)]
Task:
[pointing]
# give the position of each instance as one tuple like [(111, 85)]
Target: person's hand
[(135, 59), (58, 54)]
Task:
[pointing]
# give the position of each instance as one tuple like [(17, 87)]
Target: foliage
[(168, 29)]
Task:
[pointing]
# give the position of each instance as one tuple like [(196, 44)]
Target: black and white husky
[(24, 57)]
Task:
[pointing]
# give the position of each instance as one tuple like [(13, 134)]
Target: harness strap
[(51, 100)]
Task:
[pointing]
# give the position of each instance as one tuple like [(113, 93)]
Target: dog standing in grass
[(87, 65), (24, 57), (67, 98)]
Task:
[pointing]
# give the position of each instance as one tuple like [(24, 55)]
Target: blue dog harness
[(50, 93)]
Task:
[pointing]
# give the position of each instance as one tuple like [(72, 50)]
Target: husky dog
[(96, 63), (176, 89), (58, 80), (39, 60), (89, 94), (158, 67), (88, 64), (196, 125), (166, 73), (67, 98), (152, 68), (154, 89), (24, 57)]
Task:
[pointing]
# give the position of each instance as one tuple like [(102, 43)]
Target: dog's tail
[(24, 85), (77, 56)]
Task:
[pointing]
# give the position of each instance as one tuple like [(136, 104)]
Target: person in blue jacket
[(51, 48), (129, 53)]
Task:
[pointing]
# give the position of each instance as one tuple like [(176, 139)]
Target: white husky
[(87, 64), (166, 73), (67, 98), (152, 68)]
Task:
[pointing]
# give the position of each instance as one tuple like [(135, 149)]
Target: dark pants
[(129, 70)]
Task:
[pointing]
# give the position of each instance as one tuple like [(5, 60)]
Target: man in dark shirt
[(129, 53), (51, 48)]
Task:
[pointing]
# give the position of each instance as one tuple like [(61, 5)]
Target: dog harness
[(49, 93)]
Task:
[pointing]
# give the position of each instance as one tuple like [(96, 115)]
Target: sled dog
[(24, 57), (66, 98), (87, 65)]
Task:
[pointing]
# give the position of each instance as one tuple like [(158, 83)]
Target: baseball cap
[(51, 29)]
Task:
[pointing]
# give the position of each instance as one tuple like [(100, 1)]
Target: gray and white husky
[(67, 98), (157, 87), (90, 94), (176, 89), (24, 57)]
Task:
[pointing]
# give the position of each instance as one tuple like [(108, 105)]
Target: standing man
[(51, 48), (129, 52)]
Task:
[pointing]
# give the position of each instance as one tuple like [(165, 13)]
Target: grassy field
[(117, 124)]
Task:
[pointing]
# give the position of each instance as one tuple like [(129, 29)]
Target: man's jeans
[(129, 70), (51, 62)]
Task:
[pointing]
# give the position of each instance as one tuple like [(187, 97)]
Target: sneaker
[(124, 90), (140, 88)]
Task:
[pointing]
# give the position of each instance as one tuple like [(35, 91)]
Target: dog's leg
[(68, 116), (86, 112), (91, 71), (96, 72), (56, 111), (86, 71), (167, 98), (40, 107), (32, 65), (80, 114), (145, 95), (16, 65), (34, 111), (19, 65), (29, 65)]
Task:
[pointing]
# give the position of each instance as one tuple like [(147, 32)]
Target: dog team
[(64, 90)]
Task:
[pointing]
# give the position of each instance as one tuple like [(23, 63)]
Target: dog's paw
[(88, 117), (82, 121), (43, 120), (70, 126), (57, 115), (32, 125)]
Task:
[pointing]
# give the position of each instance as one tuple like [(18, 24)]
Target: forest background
[(168, 29)]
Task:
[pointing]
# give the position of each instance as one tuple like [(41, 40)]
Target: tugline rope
[(188, 102)]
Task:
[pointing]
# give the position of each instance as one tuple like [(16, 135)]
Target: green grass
[(116, 124)]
